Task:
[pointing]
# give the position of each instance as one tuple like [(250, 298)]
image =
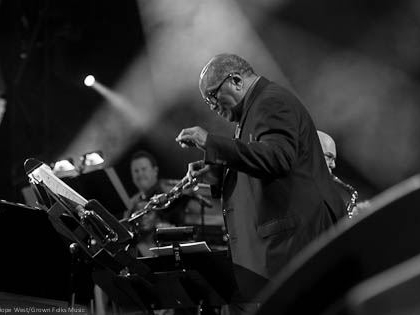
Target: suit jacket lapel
[(260, 85), (230, 175)]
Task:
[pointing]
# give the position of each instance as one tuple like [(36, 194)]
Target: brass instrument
[(351, 206), (163, 201)]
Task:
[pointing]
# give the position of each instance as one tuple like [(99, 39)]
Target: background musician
[(145, 176), (346, 191)]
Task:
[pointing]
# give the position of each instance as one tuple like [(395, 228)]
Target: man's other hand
[(203, 172), (194, 136)]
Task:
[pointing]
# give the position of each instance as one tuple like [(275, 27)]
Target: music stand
[(97, 232), (103, 185), (127, 280), (205, 280)]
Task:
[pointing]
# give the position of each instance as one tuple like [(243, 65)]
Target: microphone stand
[(203, 203), (73, 271)]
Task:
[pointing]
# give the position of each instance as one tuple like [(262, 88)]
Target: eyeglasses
[(211, 98), (329, 157)]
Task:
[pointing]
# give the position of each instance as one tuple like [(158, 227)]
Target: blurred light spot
[(89, 80), (178, 44)]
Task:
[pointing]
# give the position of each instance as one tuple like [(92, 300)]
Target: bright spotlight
[(89, 80), (92, 161), (65, 168)]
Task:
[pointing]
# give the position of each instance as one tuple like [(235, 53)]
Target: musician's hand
[(360, 207), (194, 136), (202, 172), (197, 169)]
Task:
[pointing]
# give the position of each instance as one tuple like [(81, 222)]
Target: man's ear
[(237, 80)]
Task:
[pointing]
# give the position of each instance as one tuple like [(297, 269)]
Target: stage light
[(133, 106), (92, 161), (89, 80), (65, 168)]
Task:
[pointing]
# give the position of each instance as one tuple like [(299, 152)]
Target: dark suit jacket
[(277, 194)]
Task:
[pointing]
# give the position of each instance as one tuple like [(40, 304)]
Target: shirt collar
[(237, 111), (251, 88)]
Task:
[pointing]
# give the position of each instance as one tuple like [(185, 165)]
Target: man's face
[(328, 147), (220, 96), (330, 160), (330, 154), (143, 173)]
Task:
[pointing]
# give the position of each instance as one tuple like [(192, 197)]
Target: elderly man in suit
[(275, 188)]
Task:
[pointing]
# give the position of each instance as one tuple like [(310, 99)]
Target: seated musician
[(346, 191), (144, 173)]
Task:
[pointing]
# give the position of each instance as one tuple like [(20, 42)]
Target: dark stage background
[(355, 65)]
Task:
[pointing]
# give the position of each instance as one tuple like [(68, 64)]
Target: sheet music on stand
[(97, 232), (40, 173)]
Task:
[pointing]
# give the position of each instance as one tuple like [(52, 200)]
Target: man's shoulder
[(273, 96), (274, 90)]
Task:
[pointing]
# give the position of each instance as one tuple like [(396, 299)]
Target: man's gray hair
[(223, 64)]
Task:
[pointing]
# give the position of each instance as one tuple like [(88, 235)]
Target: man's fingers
[(199, 172), (185, 139), (204, 170), (195, 169), (184, 133), (192, 137)]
